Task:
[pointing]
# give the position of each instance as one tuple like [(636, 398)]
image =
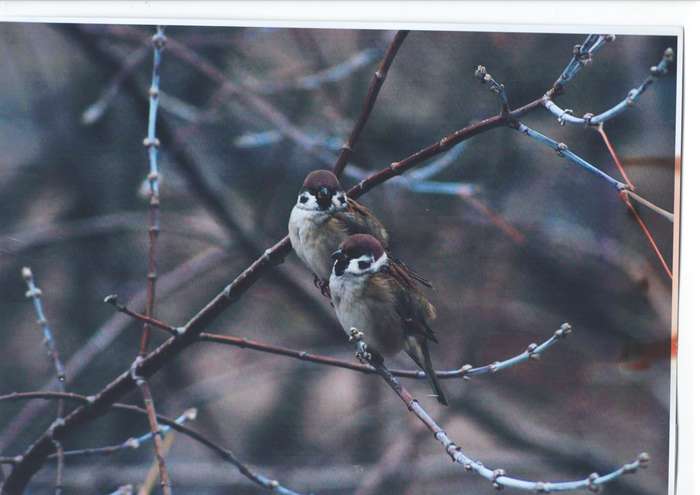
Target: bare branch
[(533, 351), (92, 403), (103, 337), (494, 86), (152, 143), (34, 293), (313, 81), (130, 443), (497, 477), (96, 110), (583, 55), (377, 81), (567, 116)]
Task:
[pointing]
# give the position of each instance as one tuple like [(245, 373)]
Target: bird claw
[(362, 352), (323, 286)]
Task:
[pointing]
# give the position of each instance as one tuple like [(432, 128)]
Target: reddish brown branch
[(36, 454), (375, 85), (647, 233)]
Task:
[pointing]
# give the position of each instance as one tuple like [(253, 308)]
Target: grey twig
[(96, 110), (313, 81), (567, 116), (130, 443), (103, 337), (90, 402), (497, 477), (34, 293), (563, 151), (152, 143), (583, 55), (532, 352), (494, 86)]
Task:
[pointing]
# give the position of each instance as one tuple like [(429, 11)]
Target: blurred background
[(530, 242)]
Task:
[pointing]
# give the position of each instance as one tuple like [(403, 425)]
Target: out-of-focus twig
[(96, 110)]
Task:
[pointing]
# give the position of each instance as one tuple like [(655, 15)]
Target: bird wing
[(410, 304), (357, 219)]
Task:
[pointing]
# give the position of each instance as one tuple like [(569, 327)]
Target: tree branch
[(152, 143), (34, 293), (497, 477), (260, 480), (375, 86), (567, 116)]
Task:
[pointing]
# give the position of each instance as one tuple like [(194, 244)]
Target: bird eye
[(303, 199), (342, 200), (363, 265)]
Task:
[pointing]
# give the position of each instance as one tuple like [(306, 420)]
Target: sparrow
[(377, 296), (323, 217)]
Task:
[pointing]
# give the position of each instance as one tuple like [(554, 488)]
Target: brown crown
[(321, 178), (358, 244)]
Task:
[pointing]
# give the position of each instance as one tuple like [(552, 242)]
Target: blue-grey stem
[(566, 116), (563, 151)]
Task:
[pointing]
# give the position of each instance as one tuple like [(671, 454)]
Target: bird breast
[(313, 240), (377, 320)]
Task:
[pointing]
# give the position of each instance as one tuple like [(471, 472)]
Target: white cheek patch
[(307, 201), (339, 201), (365, 264)]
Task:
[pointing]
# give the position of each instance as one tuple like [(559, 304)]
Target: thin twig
[(314, 81), (497, 477), (36, 454), (152, 143), (532, 352), (495, 87), (647, 233), (377, 81), (567, 116), (629, 193), (563, 150), (583, 55), (130, 443), (34, 293), (91, 402), (103, 337), (96, 110)]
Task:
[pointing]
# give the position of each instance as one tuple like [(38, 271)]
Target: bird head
[(359, 254), (321, 191)]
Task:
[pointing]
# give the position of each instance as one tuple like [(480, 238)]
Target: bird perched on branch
[(323, 217), (377, 296)]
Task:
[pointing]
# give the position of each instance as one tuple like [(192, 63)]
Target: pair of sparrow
[(345, 246)]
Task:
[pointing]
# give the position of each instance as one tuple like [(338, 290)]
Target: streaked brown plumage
[(379, 297), (324, 217)]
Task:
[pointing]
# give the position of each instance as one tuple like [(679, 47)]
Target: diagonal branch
[(377, 81), (497, 477), (260, 480)]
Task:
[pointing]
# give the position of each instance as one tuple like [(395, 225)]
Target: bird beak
[(337, 254), (324, 193)]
